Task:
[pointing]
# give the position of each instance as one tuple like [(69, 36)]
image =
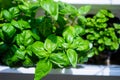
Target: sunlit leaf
[(43, 67), (51, 43), (51, 7), (72, 56), (59, 59), (84, 9)]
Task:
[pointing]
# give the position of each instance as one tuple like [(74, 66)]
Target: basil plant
[(63, 36), (103, 31)]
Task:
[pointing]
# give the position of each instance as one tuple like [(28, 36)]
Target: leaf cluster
[(102, 32)]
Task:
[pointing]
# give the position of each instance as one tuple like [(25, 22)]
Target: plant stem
[(108, 59)]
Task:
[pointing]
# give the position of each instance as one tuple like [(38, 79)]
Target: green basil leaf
[(66, 45), (24, 24), (29, 50), (69, 34), (83, 46), (35, 34), (102, 20), (101, 25), (96, 50), (107, 41), (111, 29), (67, 9), (106, 13), (82, 20), (96, 35), (84, 9), (113, 36), (23, 7), (34, 5), (1, 17), (21, 24), (16, 24), (20, 54), (83, 59), (14, 48), (79, 30), (100, 41), (51, 7), (43, 67), (1, 35), (60, 41), (38, 49), (76, 42), (90, 22), (101, 48), (24, 38), (38, 45), (118, 31), (72, 56), (8, 30), (11, 57), (110, 15), (50, 43), (90, 37), (12, 60), (117, 26), (14, 11), (27, 62), (27, 35), (7, 15), (119, 40), (100, 15), (59, 59), (91, 53), (19, 39), (115, 46)]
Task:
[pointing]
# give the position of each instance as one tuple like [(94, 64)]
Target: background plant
[(102, 32)]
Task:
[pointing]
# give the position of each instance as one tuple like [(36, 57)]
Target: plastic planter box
[(83, 72)]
